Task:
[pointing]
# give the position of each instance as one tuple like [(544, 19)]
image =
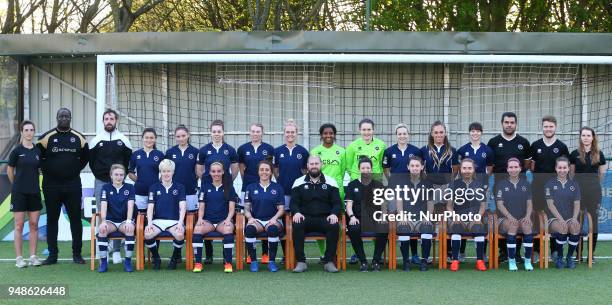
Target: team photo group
[(324, 191)]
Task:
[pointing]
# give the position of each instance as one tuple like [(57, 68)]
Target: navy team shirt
[(26, 163), (216, 207), (469, 206), (514, 196), (166, 200), (396, 160), (117, 201), (483, 156), (225, 155), (250, 157), (146, 168), (563, 196), (290, 163), (184, 167), (439, 174), (264, 200)]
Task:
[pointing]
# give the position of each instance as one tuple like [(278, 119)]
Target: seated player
[(166, 213), (315, 205), (359, 192), (563, 199), (116, 214), (217, 204), (515, 207), (264, 205), (417, 226), (468, 183)]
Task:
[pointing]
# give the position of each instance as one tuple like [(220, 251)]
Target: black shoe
[(156, 263), (406, 265), (51, 260), (363, 267), (375, 266), (177, 258), (208, 260), (78, 259), (520, 259), (322, 260), (172, 263), (423, 266)]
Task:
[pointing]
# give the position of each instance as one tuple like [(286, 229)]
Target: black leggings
[(354, 232), (71, 198)]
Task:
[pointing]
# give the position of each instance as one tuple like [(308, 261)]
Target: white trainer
[(20, 262)]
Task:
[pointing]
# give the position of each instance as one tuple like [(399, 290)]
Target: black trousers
[(354, 232), (312, 224), (70, 197)]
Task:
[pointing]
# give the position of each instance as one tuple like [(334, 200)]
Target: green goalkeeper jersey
[(333, 163), (358, 148)]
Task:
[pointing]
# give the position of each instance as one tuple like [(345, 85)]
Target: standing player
[(264, 205), (144, 167), (367, 145), (216, 151), (116, 214), (544, 153), (588, 166), (64, 153), (563, 200), (333, 159), (166, 213), (468, 182), (395, 165), (515, 207), (483, 158), (508, 145), (289, 162), (184, 156), (359, 192), (249, 156), (108, 147), (217, 205), (22, 172), (415, 206)]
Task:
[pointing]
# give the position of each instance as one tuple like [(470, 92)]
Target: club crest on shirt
[(190, 156), (556, 150), (520, 146), (265, 152), (539, 150), (72, 140), (255, 192), (337, 152), (36, 157), (208, 191), (507, 189), (101, 143), (500, 145), (209, 152), (55, 141), (377, 148), (174, 156), (175, 192), (282, 156), (393, 156), (356, 190), (111, 192), (226, 152), (119, 143), (138, 157), (572, 188), (299, 156), (156, 158), (484, 155), (305, 186), (524, 188), (126, 192), (324, 186), (273, 192), (555, 188), (467, 154), (158, 193), (248, 153)]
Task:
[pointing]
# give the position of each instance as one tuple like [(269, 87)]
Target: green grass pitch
[(212, 286)]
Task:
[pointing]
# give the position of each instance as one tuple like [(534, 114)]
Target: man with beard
[(107, 148), (508, 145), (315, 205), (64, 153), (545, 152)]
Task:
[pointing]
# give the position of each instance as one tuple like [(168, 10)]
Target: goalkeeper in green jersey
[(333, 159), (366, 146)]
